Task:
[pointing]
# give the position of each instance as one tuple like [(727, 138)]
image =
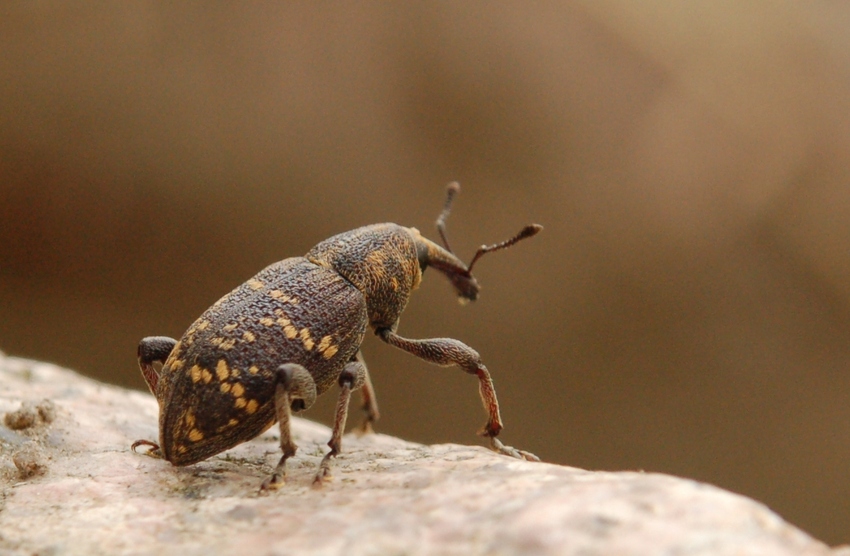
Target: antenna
[(451, 190), (527, 232)]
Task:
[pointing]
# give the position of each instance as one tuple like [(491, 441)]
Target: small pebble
[(29, 463), (29, 415), (23, 418)]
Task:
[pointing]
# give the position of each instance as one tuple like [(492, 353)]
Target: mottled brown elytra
[(288, 334)]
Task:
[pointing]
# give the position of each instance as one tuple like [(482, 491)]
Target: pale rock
[(71, 485)]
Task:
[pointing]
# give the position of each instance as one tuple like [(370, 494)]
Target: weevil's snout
[(466, 286)]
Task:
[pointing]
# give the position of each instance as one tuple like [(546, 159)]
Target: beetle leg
[(446, 351), (370, 402), (153, 450), (295, 390), (352, 377), (153, 349)]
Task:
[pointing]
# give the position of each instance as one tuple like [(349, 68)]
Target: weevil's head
[(465, 285), (435, 256)]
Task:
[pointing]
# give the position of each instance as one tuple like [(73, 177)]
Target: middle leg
[(352, 377), (295, 390), (370, 402)]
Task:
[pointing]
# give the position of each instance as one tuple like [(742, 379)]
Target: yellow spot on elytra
[(230, 424), (238, 390), (266, 321), (290, 331), (306, 339), (225, 387), (203, 325), (189, 419), (206, 376), (251, 407), (394, 283), (255, 284), (216, 341), (324, 343), (195, 371), (227, 344), (280, 296), (195, 435), (177, 365), (248, 336), (181, 449), (221, 370), (330, 352), (231, 327), (240, 402), (253, 370)]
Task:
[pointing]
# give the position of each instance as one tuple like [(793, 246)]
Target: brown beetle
[(288, 334)]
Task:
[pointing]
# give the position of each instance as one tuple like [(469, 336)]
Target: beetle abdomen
[(217, 386)]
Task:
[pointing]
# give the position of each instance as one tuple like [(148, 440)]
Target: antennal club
[(527, 232), (451, 191)]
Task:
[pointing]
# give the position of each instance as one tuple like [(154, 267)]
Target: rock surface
[(71, 485)]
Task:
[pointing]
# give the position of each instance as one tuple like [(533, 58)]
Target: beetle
[(284, 337)]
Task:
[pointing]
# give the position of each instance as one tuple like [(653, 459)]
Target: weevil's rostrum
[(284, 337)]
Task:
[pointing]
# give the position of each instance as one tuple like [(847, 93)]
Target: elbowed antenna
[(451, 190), (528, 231)]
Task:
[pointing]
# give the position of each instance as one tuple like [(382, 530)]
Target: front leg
[(446, 351)]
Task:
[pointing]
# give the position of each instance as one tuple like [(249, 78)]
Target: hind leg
[(153, 349)]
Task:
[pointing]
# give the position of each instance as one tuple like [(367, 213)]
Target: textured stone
[(88, 493)]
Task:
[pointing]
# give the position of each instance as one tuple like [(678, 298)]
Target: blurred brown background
[(686, 309)]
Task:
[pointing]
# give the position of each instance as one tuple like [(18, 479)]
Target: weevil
[(287, 335)]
